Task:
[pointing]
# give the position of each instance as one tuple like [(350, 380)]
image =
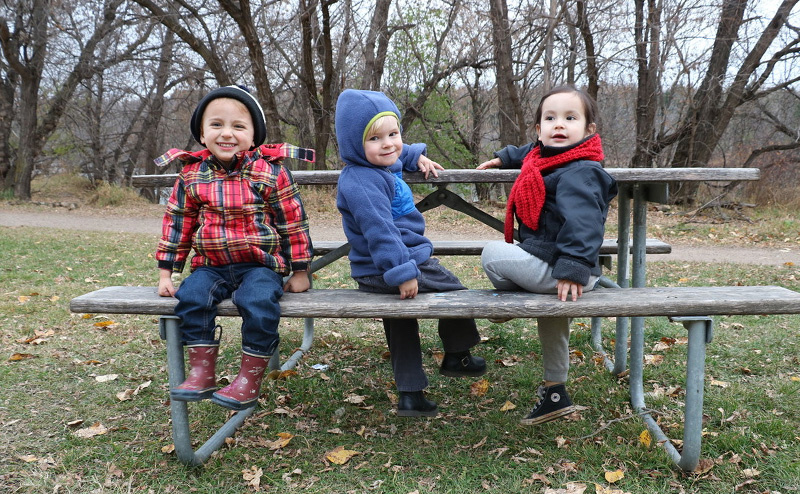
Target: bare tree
[(30, 35), (510, 112)]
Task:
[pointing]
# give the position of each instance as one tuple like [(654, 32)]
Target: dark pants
[(402, 335), (253, 288)]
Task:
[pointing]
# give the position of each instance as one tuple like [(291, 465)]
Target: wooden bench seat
[(606, 302)]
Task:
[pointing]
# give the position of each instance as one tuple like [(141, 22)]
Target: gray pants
[(509, 267)]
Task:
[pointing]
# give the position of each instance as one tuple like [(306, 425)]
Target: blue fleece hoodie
[(386, 232)]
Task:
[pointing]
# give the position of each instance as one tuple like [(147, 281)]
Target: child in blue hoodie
[(389, 252)]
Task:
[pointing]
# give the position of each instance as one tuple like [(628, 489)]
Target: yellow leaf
[(55, 298), (168, 449), (339, 455), (283, 439), (104, 324), (614, 476), (645, 439), (20, 356), (87, 316), (23, 299), (795, 378), (683, 280), (287, 374), (507, 406), (479, 388), (721, 384)]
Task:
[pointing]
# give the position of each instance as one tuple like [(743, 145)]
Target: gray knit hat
[(239, 93)]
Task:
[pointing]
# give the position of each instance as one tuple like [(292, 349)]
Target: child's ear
[(202, 138), (591, 128), (537, 128)]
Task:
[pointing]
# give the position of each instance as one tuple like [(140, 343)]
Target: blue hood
[(355, 110)]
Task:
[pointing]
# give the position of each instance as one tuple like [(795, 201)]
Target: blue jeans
[(254, 289)]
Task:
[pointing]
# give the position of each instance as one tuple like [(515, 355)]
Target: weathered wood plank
[(654, 175), (474, 247), (605, 302)]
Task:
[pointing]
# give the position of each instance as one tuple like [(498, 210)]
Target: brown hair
[(589, 104)]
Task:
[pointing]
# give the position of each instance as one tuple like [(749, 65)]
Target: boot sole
[(452, 373), (182, 395), (231, 403), (417, 413), (550, 416)]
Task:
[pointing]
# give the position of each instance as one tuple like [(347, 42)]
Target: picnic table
[(626, 298)]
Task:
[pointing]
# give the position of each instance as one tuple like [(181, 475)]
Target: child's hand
[(493, 163), (165, 286), (428, 166), (565, 287), (409, 289), (297, 282)]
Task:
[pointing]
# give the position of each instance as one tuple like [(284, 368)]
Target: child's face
[(227, 129), (563, 121), (383, 146)]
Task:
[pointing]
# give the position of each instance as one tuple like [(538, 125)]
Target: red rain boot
[(243, 392), (202, 382)]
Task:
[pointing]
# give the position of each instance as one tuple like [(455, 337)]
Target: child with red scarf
[(560, 200)]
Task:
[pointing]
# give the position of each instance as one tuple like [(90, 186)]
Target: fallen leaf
[(507, 406), (479, 388), (645, 439), (614, 476), (339, 455), (28, 458), (23, 299), (106, 378), (97, 429), (253, 477), (721, 384), (572, 488), (104, 324), (355, 399), (20, 356), (168, 449), (284, 438), (751, 472)]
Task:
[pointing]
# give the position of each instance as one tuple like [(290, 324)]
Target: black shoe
[(462, 365), (414, 404), (553, 402)]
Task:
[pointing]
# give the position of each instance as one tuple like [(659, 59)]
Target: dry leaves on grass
[(340, 455)]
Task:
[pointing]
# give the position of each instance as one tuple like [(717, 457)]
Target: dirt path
[(147, 219)]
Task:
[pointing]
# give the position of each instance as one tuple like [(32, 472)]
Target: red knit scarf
[(527, 195)]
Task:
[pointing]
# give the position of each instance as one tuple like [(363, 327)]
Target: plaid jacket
[(252, 214)]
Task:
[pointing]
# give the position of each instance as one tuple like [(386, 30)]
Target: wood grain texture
[(647, 175), (602, 302)]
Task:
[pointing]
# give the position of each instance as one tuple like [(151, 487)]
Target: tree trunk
[(647, 33), (378, 34), (512, 126)]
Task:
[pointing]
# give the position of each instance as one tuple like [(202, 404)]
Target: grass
[(52, 359)]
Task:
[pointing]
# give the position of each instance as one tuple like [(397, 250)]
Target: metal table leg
[(181, 437), (700, 329)]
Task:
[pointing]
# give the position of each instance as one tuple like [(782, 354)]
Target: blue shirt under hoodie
[(386, 232)]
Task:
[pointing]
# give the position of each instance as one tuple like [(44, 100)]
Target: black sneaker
[(553, 402), (462, 365), (414, 404)]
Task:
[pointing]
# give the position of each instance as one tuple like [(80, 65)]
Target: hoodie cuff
[(402, 273)]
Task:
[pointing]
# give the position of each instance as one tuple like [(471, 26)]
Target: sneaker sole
[(550, 416)]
